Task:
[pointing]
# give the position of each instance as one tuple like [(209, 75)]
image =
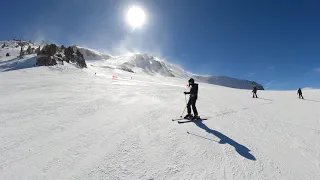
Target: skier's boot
[(188, 116)]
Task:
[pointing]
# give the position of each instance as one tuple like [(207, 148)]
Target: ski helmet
[(191, 81)]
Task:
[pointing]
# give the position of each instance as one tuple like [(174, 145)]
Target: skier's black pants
[(192, 102), (300, 96), (255, 95)]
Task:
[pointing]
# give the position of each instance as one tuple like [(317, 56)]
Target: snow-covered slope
[(66, 123), (13, 48), (152, 66), (91, 54), (136, 62), (12, 62)]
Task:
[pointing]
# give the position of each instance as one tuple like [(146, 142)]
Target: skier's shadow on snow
[(312, 100), (266, 99), (241, 149)]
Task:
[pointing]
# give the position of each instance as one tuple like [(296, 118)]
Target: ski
[(187, 121), (178, 119)]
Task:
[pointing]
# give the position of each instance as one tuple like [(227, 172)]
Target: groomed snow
[(65, 123)]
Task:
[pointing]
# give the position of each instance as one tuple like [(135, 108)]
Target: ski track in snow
[(65, 123)]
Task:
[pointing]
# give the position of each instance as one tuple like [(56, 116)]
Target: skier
[(192, 100), (300, 93), (254, 91)]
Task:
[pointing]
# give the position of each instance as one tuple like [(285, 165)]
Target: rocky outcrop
[(46, 61), (51, 54), (75, 56)]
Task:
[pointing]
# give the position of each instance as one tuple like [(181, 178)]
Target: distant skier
[(300, 93), (254, 91), (192, 100)]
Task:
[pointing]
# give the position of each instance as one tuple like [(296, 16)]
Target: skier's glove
[(184, 92)]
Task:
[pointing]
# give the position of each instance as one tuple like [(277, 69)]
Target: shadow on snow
[(16, 64), (266, 99), (311, 100), (241, 149)]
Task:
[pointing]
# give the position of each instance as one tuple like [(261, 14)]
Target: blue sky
[(274, 42)]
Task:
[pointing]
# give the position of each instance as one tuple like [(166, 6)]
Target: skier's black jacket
[(254, 90), (299, 91), (193, 91)]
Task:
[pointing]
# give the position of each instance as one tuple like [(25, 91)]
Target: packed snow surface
[(66, 123)]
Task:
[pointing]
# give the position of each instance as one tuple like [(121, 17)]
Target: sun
[(136, 17)]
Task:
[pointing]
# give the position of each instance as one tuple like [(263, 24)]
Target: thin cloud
[(317, 69)]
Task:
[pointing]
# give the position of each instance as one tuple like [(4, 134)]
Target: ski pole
[(185, 97), (183, 111)]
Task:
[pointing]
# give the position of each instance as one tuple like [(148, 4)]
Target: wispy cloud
[(317, 69)]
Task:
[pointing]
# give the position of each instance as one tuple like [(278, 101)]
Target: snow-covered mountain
[(151, 65), (134, 63)]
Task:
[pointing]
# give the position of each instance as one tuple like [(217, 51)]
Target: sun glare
[(136, 17)]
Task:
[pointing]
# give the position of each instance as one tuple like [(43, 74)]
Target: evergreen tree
[(29, 50)]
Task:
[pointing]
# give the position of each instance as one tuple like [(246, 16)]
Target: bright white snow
[(13, 62), (66, 123)]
